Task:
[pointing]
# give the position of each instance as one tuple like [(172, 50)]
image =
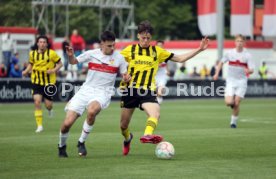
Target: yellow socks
[(126, 134), (150, 125), (38, 117)]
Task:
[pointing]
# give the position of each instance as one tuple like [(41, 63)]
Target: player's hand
[(126, 77), (215, 77), (247, 72), (51, 71), (204, 43), (69, 51), (24, 73)]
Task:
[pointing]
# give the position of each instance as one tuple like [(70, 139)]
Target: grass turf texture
[(206, 147)]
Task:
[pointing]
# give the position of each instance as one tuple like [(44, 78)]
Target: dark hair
[(107, 36), (35, 47), (145, 26), (42, 37)]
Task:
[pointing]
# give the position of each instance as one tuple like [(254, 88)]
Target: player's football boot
[(126, 145), (62, 152), (154, 139), (39, 129), (81, 149), (233, 126)]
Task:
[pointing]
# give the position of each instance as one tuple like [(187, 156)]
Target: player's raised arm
[(218, 69), (71, 57), (184, 57)]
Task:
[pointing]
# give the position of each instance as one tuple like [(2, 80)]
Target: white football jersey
[(162, 69), (102, 69), (237, 62)]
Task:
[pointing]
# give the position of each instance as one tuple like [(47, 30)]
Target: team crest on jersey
[(111, 61)]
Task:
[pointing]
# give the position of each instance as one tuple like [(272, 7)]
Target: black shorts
[(38, 89), (134, 98)]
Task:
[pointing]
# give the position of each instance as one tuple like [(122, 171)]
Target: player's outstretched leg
[(153, 139), (149, 137)]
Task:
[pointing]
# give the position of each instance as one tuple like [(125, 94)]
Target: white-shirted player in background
[(161, 76), (240, 66), (94, 95)]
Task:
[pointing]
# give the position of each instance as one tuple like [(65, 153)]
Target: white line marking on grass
[(259, 120)]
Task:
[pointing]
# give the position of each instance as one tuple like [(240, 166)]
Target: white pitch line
[(259, 120)]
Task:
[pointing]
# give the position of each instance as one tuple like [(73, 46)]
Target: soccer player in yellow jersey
[(143, 60), (43, 63)]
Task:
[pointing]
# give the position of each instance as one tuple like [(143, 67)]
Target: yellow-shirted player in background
[(43, 64), (143, 60)]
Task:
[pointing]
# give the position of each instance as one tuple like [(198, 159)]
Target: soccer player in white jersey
[(161, 76), (94, 94), (240, 66)]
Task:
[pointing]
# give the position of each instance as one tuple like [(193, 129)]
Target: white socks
[(234, 119), (62, 139), (85, 131), (84, 134)]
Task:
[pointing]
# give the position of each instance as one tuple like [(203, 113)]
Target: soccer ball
[(164, 150)]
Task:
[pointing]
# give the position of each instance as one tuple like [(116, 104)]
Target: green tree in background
[(174, 19), (15, 13)]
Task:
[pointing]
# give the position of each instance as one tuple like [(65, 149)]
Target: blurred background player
[(161, 76), (214, 68), (103, 63), (7, 47), (65, 43), (44, 63), (144, 60), (181, 73), (263, 71), (240, 66), (78, 45)]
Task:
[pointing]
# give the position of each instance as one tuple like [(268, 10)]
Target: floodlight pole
[(67, 22), (220, 27)]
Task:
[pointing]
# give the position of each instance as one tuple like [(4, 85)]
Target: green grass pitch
[(199, 130)]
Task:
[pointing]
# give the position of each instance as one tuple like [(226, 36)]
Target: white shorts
[(84, 97), (235, 90), (161, 80)]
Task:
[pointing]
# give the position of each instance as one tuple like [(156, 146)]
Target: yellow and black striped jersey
[(41, 62), (143, 64)]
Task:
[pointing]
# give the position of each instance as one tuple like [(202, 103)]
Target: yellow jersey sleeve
[(31, 57), (163, 55), (126, 52), (54, 56)]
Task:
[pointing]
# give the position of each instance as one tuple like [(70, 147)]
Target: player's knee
[(49, 106), (229, 103), (37, 103), (66, 127), (237, 103), (123, 124), (155, 115), (91, 113)]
